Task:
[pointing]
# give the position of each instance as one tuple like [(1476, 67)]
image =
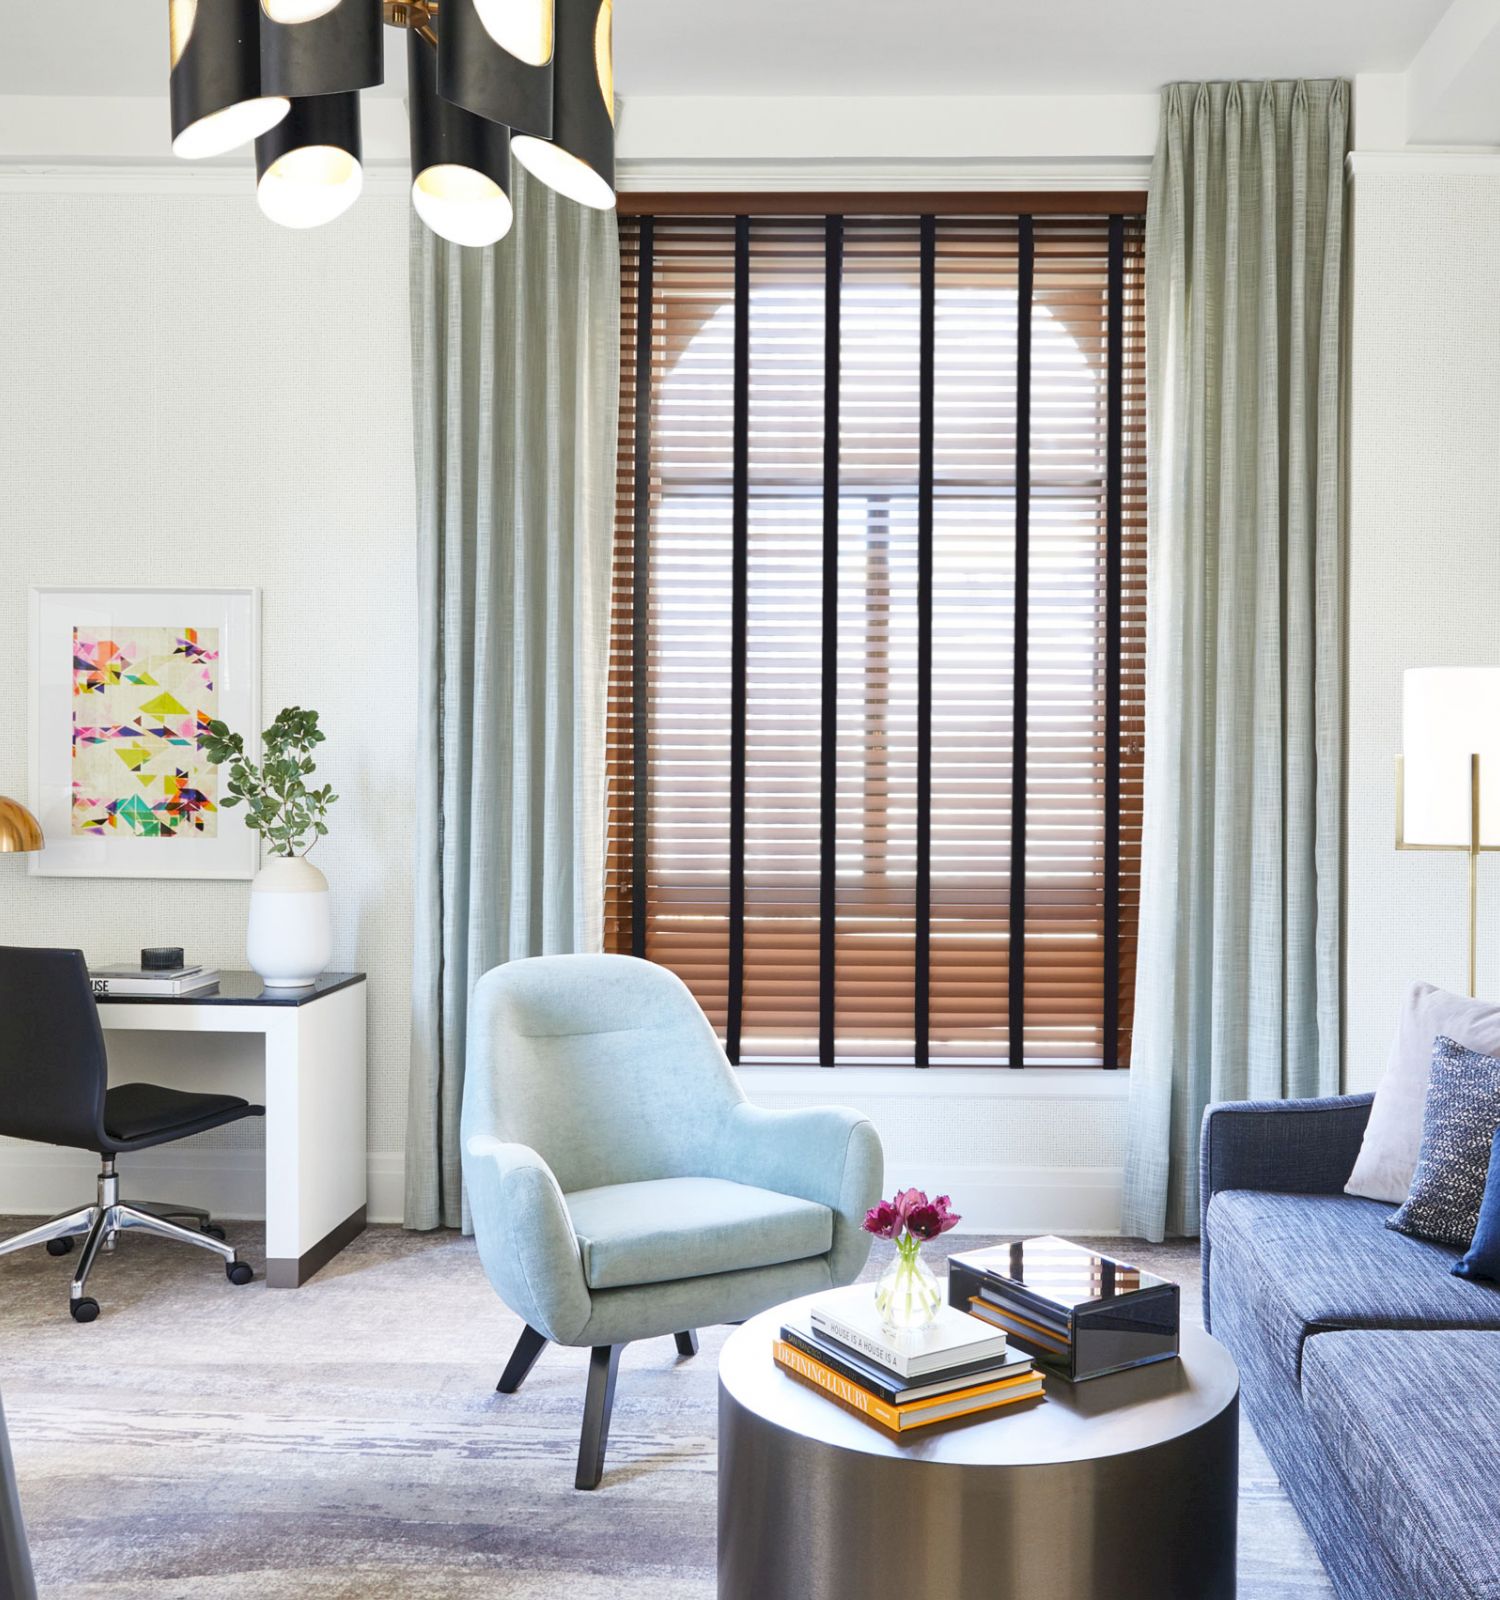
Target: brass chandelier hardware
[(418, 14), (287, 75)]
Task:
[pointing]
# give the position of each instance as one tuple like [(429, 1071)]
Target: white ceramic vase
[(290, 938)]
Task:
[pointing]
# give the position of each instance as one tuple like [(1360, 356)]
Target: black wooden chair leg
[(522, 1359), (687, 1343), (604, 1365)]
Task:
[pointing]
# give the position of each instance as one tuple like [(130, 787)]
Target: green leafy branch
[(281, 807)]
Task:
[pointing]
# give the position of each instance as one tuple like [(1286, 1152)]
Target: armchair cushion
[(663, 1229)]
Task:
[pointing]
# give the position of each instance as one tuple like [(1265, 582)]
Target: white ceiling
[(839, 47)]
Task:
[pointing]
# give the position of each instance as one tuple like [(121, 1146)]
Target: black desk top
[(243, 989)]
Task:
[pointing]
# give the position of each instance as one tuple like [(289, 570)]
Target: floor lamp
[(1450, 734)]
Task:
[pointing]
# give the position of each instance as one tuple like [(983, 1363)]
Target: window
[(879, 630)]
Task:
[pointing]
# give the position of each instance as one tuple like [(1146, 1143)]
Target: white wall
[(193, 396), (1040, 1151), (1424, 586)]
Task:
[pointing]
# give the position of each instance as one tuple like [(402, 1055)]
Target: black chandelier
[(487, 79)]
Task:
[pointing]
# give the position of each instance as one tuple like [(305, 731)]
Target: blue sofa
[(1370, 1374)]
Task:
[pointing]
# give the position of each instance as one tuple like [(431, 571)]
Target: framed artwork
[(122, 683)]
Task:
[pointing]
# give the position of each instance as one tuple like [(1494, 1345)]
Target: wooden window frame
[(629, 894)]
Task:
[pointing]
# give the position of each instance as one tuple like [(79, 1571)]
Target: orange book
[(916, 1414)]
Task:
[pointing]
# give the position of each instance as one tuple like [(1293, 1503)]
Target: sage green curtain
[(515, 391), (1238, 967)]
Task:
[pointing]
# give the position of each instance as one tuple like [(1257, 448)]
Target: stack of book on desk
[(954, 1368), (162, 983)]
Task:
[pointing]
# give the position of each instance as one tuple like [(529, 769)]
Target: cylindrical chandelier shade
[(308, 165), (332, 52), (579, 159), (217, 102), (460, 163), (495, 59)]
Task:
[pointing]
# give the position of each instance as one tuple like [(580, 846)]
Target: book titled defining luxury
[(850, 1317), (888, 1386), (127, 982), (963, 1402), (1080, 1314)]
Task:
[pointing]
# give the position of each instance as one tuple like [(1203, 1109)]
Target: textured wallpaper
[(194, 396), (1424, 563)]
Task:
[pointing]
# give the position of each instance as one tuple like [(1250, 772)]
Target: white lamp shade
[(310, 186), (523, 27), (560, 170), (222, 131), (1449, 714), (297, 10), (462, 205)]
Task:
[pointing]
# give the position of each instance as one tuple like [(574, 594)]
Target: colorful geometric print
[(142, 699)]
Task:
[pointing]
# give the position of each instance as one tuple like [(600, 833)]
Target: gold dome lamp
[(19, 830)]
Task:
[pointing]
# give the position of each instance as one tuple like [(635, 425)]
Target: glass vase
[(908, 1295)]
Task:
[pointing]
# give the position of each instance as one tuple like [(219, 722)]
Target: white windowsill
[(996, 1083)]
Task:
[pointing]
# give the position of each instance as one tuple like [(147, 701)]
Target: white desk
[(314, 1098)]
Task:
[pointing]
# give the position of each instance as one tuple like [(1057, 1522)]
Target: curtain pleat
[(1238, 974), (515, 364)]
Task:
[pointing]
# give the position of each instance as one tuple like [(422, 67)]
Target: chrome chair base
[(101, 1224)]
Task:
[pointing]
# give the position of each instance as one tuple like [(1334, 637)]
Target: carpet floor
[(345, 1440)]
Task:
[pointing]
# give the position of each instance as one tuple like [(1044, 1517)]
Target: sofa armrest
[(1282, 1146), (827, 1154), (525, 1236)]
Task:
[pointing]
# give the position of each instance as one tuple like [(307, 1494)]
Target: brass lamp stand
[(1473, 849)]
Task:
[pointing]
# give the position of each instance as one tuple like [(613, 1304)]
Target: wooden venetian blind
[(879, 631)]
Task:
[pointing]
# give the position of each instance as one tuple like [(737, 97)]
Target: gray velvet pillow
[(1458, 1128), (1388, 1156)]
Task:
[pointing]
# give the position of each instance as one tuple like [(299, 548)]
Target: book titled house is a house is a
[(953, 1339)]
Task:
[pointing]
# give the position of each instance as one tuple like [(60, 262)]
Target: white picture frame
[(85, 836)]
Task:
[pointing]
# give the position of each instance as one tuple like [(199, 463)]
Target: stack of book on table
[(955, 1368), (164, 983)]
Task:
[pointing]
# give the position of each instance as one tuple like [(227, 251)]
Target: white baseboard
[(41, 1181), (1032, 1200)]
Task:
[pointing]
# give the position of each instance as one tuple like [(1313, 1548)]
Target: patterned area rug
[(345, 1440)]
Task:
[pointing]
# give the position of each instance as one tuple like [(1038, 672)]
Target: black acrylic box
[(1079, 1314)]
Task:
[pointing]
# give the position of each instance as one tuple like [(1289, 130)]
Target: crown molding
[(880, 176), (1423, 163), (213, 179)]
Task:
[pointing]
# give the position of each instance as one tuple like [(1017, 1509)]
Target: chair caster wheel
[(239, 1273), (59, 1247), (85, 1310), (213, 1230)]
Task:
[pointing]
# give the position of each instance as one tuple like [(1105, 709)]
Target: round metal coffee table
[(1121, 1488)]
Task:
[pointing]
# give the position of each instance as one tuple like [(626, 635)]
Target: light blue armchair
[(622, 1187)]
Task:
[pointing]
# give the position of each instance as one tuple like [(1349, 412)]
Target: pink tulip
[(883, 1220), (909, 1214), (929, 1220)]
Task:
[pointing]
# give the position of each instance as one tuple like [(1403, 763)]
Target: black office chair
[(53, 1088)]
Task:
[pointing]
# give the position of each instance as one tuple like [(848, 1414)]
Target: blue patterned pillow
[(1458, 1128)]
